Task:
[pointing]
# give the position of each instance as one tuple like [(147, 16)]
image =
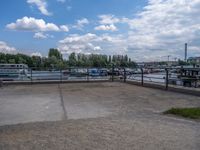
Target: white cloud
[(36, 54), (5, 48), (77, 43), (41, 35), (69, 8), (108, 19), (81, 23), (163, 27), (64, 28), (91, 43), (107, 23), (79, 38), (34, 25), (111, 27), (42, 6), (97, 48)]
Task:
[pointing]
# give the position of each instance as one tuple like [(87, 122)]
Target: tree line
[(55, 60)]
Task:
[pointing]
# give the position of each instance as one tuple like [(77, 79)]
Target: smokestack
[(186, 52)]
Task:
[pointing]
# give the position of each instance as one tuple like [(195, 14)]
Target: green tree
[(72, 59), (3, 58), (11, 61), (55, 53), (37, 61), (182, 63), (110, 59)]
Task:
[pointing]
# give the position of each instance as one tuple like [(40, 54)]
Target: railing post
[(1, 82), (124, 74), (142, 76), (31, 76), (87, 75), (167, 79), (195, 84), (112, 72)]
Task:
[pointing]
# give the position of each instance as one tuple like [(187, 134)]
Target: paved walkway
[(94, 116)]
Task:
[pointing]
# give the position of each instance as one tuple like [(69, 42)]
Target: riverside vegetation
[(55, 60)]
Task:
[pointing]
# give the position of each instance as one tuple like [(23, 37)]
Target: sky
[(145, 30)]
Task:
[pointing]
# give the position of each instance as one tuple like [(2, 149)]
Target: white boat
[(13, 71)]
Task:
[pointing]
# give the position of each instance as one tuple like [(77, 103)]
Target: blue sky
[(146, 30)]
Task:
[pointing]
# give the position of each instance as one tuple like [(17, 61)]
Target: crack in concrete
[(62, 102)]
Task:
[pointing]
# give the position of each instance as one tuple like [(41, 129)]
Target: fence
[(48, 75), (164, 77), (187, 77)]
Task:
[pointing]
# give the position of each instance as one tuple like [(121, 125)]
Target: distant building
[(157, 64), (194, 60)]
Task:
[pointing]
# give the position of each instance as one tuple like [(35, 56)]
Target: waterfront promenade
[(107, 115)]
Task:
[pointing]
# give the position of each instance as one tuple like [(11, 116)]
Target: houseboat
[(13, 71), (188, 76)]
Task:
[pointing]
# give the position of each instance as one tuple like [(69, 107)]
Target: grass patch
[(192, 113)]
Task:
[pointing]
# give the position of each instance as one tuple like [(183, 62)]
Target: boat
[(93, 72), (187, 76), (13, 71)]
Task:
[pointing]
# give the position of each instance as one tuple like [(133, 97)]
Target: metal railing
[(164, 77), (68, 74)]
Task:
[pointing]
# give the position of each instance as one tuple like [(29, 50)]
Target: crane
[(167, 56)]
